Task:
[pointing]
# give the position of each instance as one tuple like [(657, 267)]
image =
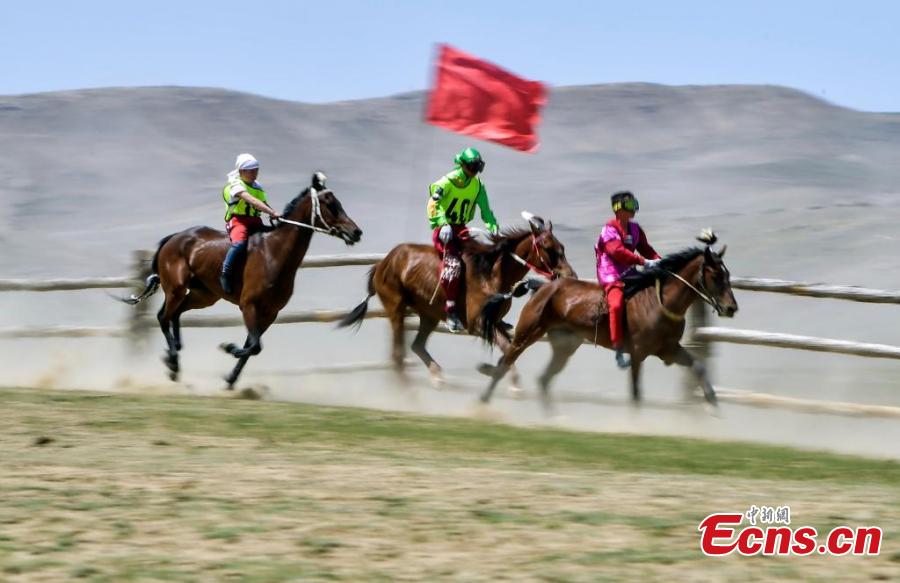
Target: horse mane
[(635, 280), (292, 204), (483, 256)]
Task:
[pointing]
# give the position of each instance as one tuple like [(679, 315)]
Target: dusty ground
[(122, 488)]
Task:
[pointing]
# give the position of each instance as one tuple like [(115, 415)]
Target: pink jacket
[(616, 253)]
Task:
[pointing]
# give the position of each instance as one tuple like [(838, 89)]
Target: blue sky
[(845, 52)]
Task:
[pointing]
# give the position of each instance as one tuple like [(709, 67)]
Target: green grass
[(356, 429), (150, 488)]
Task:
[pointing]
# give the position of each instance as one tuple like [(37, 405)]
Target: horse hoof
[(171, 362), (437, 377), (173, 375), (228, 347), (712, 408), (486, 369)]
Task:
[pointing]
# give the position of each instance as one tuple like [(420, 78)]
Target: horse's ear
[(318, 180), (709, 256), (536, 222), (550, 226), (722, 252)]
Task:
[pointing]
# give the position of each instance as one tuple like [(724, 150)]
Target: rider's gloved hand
[(651, 263), (445, 234)]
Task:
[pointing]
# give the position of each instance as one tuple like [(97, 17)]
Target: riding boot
[(450, 281), (622, 360), (454, 324), (231, 265)]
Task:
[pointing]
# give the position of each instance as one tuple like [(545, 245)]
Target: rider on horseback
[(450, 207), (245, 200), (620, 239)]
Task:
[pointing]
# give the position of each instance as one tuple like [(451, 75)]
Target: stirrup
[(622, 360)]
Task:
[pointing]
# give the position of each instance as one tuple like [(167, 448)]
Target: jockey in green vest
[(245, 201), (451, 205)]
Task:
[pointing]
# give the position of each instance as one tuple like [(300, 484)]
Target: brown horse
[(187, 266), (571, 312), (407, 278)]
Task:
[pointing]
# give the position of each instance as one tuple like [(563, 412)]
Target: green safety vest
[(456, 206), (241, 208)]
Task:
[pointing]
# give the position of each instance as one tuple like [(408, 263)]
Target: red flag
[(479, 99)]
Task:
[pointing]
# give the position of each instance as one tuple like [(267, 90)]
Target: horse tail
[(358, 314), (490, 312), (151, 284)]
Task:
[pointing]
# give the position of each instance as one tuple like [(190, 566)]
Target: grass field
[(98, 487)]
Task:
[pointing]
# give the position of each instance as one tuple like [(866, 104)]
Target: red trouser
[(240, 227), (615, 300), (453, 265)]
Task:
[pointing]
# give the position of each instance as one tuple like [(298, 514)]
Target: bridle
[(702, 292), (315, 213), (546, 271)]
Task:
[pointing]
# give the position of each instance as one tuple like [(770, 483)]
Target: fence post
[(138, 321), (700, 349)]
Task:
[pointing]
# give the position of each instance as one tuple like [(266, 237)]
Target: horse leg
[(398, 336), (527, 333), (684, 358), (564, 344), (253, 344), (257, 322), (232, 377), (176, 330), (170, 357), (167, 315), (426, 327), (503, 341), (635, 379)]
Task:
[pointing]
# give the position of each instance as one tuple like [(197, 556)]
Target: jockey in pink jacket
[(621, 246)]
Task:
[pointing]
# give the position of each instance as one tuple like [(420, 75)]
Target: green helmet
[(470, 158)]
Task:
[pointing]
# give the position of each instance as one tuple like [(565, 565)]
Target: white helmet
[(246, 162)]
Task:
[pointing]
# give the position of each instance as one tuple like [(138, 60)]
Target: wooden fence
[(698, 338)]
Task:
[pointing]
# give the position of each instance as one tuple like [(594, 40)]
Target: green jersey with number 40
[(453, 200)]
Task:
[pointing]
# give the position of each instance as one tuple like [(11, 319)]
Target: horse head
[(548, 253), (714, 278), (326, 211)]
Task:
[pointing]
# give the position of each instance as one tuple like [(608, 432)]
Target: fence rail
[(797, 342), (816, 290), (47, 285)]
